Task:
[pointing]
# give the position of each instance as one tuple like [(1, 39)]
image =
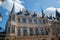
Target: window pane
[(13, 18), (24, 31), (24, 20), (52, 39), (18, 20), (47, 30), (8, 29), (35, 20), (18, 31), (40, 21), (31, 31), (30, 20), (13, 29), (36, 31), (41, 31)]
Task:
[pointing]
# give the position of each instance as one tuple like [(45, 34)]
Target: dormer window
[(35, 21), (19, 13)]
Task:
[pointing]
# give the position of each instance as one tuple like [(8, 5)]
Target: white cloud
[(8, 4), (51, 11), (18, 7)]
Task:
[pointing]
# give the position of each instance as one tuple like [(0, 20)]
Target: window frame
[(35, 21), (25, 32), (19, 20), (24, 20), (29, 20), (31, 31), (36, 31), (18, 31)]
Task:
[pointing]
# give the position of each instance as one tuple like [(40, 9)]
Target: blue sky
[(32, 5), (35, 5)]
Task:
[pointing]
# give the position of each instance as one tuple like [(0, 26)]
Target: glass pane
[(13, 29), (24, 31), (35, 20), (18, 20), (13, 18), (47, 30), (30, 20), (36, 31), (8, 29), (41, 31), (31, 31), (18, 31), (40, 21), (24, 20)]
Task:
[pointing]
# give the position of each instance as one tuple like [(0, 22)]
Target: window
[(24, 20), (18, 31), (35, 20), (31, 31), (13, 29), (24, 31), (53, 31), (44, 39), (52, 39), (30, 20), (7, 39), (18, 20), (19, 13), (40, 21), (13, 18), (36, 31), (8, 29), (41, 31), (58, 31), (47, 30)]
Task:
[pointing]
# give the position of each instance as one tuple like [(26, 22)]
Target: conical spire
[(42, 13), (57, 15), (13, 8), (27, 13), (34, 15), (19, 13)]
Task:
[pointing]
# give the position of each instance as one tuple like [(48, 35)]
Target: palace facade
[(22, 26)]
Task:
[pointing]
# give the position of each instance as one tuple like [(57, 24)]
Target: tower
[(57, 15), (42, 13)]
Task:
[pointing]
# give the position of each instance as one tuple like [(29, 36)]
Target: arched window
[(35, 21), (30, 20), (18, 20), (24, 31), (36, 31), (13, 18), (24, 20), (42, 31), (18, 31), (13, 29), (31, 31)]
